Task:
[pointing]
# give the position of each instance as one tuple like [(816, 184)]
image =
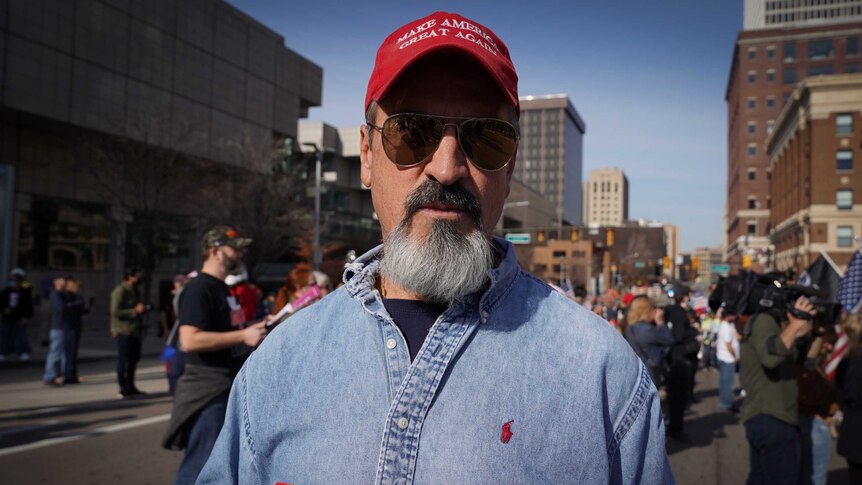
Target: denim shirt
[(515, 384)]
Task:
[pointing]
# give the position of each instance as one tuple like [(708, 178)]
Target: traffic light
[(695, 263), (609, 236), (666, 262), (540, 236), (746, 261), (575, 235)]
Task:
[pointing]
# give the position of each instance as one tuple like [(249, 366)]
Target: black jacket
[(848, 380)]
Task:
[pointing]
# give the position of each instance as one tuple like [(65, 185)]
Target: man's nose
[(449, 163)]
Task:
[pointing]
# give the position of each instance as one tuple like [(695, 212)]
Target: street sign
[(640, 264), (722, 269), (518, 237)]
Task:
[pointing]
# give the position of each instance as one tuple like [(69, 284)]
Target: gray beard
[(446, 266)]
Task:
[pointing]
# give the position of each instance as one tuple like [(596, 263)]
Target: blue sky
[(647, 77)]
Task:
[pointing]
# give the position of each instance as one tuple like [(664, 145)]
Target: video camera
[(748, 293)]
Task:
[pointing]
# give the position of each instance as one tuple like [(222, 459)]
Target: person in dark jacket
[(54, 361), (848, 381), (16, 306), (685, 346), (74, 311), (649, 338)]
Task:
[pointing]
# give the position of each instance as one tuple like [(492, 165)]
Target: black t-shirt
[(206, 303), (414, 318)]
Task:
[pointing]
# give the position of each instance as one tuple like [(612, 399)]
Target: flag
[(824, 275), (838, 353), (850, 289), (567, 288)]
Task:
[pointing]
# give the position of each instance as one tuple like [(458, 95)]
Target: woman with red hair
[(298, 281)]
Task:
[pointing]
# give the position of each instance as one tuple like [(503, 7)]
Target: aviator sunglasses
[(410, 138)]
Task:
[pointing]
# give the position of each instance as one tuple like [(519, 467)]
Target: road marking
[(89, 434)]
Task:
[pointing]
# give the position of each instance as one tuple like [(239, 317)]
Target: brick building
[(816, 186), (782, 45)]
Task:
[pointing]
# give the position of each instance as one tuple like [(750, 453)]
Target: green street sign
[(518, 237), (721, 269), (640, 264)]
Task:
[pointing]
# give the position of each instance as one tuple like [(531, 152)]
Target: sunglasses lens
[(488, 143), (409, 139)]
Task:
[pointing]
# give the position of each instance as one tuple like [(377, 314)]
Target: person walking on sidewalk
[(16, 310), (215, 345), (127, 315), (55, 360), (727, 350)]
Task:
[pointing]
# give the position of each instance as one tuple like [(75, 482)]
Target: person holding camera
[(770, 411), (127, 318)]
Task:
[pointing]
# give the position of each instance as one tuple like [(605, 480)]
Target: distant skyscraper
[(550, 155), (768, 14), (783, 43), (606, 197)]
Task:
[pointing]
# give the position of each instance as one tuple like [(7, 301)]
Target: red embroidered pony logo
[(506, 435)]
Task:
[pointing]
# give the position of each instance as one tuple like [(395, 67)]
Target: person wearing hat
[(440, 360), (16, 310), (214, 341)]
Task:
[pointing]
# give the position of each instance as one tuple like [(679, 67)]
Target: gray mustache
[(456, 195)]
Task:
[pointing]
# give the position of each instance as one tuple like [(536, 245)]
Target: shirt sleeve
[(642, 457), (193, 305), (232, 458), (766, 342)]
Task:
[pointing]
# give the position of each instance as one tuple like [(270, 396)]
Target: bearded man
[(440, 360)]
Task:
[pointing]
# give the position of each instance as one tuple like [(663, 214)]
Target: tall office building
[(606, 197), (550, 155), (783, 43)]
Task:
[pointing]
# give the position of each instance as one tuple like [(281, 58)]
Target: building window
[(752, 76), (820, 49), (852, 46), (752, 227), (752, 53), (844, 159), (770, 125), (789, 52), (844, 199), (770, 102), (844, 124), (820, 70), (770, 52), (790, 76), (770, 75), (752, 173), (752, 149), (752, 103), (752, 127), (851, 68), (752, 203), (845, 236)]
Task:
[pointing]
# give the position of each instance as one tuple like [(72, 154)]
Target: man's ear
[(510, 169), (365, 156)]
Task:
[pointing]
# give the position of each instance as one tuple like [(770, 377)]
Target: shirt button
[(402, 423), (390, 344)]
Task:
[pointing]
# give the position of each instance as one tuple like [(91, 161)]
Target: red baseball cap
[(442, 31)]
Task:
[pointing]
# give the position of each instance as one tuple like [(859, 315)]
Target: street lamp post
[(318, 167)]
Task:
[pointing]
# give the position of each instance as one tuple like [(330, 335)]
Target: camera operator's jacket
[(124, 319), (768, 372), (514, 384)]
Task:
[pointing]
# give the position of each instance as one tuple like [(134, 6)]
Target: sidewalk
[(718, 453)]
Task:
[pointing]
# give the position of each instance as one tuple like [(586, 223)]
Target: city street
[(82, 434)]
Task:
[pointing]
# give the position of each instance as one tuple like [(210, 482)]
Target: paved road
[(83, 435)]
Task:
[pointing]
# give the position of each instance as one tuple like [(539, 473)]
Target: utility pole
[(318, 167)]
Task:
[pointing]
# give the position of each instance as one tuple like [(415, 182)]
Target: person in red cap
[(439, 360)]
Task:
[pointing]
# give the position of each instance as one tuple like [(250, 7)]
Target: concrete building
[(606, 197), (702, 261), (770, 57), (768, 14), (815, 184), (550, 154), (124, 120), (558, 259)]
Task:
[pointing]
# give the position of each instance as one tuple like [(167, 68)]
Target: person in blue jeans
[(727, 353), (56, 358)]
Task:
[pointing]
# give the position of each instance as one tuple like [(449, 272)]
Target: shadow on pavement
[(33, 434), (80, 408), (702, 431)]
